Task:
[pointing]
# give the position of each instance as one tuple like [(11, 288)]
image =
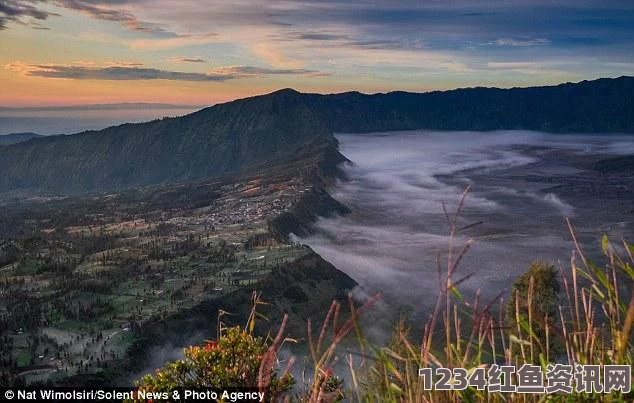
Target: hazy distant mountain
[(92, 107), (271, 128), (15, 138)]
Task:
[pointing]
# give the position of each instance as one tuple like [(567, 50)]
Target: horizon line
[(160, 105)]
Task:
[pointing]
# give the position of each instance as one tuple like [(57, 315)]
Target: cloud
[(17, 10), (82, 72), (365, 39), (275, 55), (118, 72), (530, 68), (513, 65), (293, 35), (347, 40), (111, 11), (123, 64), (186, 59), (476, 14), (173, 41), (521, 42), (243, 71)]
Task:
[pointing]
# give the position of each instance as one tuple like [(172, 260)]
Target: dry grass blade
[(324, 327), (266, 366)]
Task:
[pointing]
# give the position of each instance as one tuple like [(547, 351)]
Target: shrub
[(237, 359), (532, 305)]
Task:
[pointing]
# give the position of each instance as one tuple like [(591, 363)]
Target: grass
[(591, 322), (24, 358)]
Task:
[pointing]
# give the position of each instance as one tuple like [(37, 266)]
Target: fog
[(67, 120), (523, 185)]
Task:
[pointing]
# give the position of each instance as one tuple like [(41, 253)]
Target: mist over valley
[(523, 185)]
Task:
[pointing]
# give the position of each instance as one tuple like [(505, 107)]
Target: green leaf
[(396, 389), (631, 248), (455, 292), (601, 277), (628, 269), (517, 340), (605, 244), (251, 325)]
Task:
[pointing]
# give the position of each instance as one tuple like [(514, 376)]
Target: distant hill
[(92, 107), (14, 138), (270, 128)]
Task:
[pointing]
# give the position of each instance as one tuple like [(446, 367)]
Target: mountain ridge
[(264, 129), (15, 138)]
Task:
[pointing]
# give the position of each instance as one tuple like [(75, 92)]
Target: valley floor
[(82, 278)]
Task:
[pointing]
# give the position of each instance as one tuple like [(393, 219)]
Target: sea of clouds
[(396, 185)]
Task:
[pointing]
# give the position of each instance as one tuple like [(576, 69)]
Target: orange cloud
[(274, 56), (173, 42)]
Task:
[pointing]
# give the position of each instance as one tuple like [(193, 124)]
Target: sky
[(189, 52)]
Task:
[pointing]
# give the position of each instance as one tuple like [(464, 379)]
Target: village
[(91, 272)]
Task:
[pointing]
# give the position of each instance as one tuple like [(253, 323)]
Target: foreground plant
[(238, 359)]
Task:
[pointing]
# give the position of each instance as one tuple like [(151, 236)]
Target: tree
[(533, 305)]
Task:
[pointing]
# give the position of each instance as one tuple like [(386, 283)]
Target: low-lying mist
[(523, 185)]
